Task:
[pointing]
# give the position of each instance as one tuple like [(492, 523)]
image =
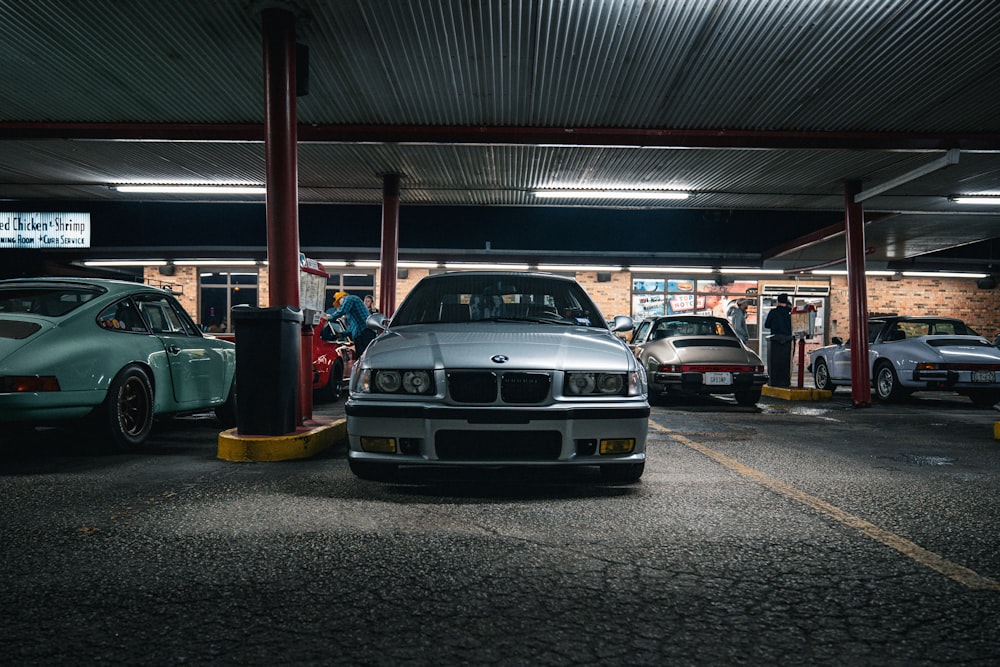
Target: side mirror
[(377, 322), (622, 323), (837, 340)]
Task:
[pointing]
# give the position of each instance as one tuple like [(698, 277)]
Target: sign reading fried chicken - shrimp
[(44, 230)]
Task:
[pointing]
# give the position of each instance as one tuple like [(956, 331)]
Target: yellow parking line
[(959, 573)]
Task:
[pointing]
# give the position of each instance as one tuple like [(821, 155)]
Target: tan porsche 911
[(697, 354)]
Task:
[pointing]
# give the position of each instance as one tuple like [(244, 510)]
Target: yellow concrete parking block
[(792, 394), (305, 442)]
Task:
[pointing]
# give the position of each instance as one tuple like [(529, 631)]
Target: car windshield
[(691, 326), (475, 297), (50, 300)]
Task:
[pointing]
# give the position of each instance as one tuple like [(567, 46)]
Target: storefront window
[(358, 283), (654, 297), (219, 292)]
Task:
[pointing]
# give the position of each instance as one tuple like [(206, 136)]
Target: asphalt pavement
[(793, 533)]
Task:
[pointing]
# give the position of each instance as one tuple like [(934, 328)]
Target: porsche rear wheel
[(887, 386), (226, 413), (127, 412), (821, 376), (749, 397), (334, 385)]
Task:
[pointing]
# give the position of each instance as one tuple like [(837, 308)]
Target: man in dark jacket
[(779, 357)]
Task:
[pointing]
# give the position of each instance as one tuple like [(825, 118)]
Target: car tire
[(985, 398), (127, 413), (821, 376), (373, 472), (334, 385), (622, 473), (749, 397), (226, 413), (887, 387)]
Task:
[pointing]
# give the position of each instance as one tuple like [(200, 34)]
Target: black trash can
[(267, 369)]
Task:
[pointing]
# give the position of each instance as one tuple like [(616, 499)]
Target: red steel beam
[(857, 297), (390, 244), (281, 158)]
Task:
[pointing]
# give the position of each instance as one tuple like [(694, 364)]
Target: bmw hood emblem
[(498, 359)]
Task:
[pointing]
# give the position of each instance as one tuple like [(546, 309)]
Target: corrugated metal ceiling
[(892, 70)]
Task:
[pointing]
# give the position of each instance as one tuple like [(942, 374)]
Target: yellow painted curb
[(996, 430), (302, 444), (790, 394)]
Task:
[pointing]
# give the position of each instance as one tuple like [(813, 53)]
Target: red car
[(333, 358)]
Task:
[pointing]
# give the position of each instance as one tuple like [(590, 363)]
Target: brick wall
[(947, 297)]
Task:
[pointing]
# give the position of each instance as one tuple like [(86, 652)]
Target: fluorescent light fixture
[(485, 267), (577, 267), (193, 189), (982, 200), (612, 194), (843, 272), (669, 269), (753, 272), (217, 262), (127, 262), (942, 274)]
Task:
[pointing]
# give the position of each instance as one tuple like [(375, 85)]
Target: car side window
[(122, 316), (640, 333), (164, 315)]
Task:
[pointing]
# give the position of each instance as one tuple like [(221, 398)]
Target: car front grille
[(524, 387), (497, 445), (482, 387)]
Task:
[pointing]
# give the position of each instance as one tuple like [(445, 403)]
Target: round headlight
[(387, 381), (610, 383), (416, 382), (580, 383)]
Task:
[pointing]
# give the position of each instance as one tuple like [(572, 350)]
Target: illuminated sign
[(44, 230)]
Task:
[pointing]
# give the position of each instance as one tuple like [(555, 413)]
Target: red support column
[(857, 297), (281, 158), (282, 179), (390, 244)]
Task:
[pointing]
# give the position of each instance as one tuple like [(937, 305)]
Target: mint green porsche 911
[(111, 354)]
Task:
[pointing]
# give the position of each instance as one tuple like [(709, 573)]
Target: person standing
[(740, 320), (356, 313), (370, 303), (779, 357)]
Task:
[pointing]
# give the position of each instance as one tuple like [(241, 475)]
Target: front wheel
[(887, 386), (821, 376), (624, 473), (127, 412)]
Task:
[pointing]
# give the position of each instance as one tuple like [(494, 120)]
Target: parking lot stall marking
[(963, 575)]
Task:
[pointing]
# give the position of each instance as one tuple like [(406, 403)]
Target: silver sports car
[(497, 369), (909, 354), (697, 354)]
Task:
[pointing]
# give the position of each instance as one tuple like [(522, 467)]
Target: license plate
[(984, 376), (718, 378)]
